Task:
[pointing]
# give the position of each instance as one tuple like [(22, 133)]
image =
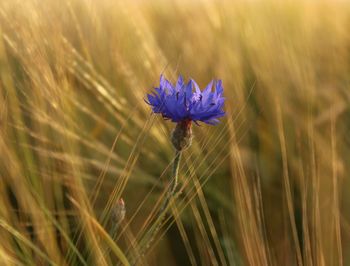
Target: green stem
[(174, 183), (163, 209)]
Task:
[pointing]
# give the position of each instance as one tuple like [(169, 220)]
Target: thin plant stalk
[(164, 207)]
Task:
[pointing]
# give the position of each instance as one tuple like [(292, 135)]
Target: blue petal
[(207, 89), (188, 94), (218, 87), (179, 84), (198, 91)]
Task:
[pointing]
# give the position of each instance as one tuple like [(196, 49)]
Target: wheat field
[(267, 186)]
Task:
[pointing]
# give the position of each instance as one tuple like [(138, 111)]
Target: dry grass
[(268, 186)]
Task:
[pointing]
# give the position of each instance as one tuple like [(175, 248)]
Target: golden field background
[(267, 186)]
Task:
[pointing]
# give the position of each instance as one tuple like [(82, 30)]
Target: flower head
[(186, 102)]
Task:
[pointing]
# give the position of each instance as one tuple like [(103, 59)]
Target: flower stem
[(174, 182), (164, 207)]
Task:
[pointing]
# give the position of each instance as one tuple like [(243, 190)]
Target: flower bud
[(182, 135), (118, 212)]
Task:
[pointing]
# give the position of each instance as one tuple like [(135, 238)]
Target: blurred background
[(268, 186)]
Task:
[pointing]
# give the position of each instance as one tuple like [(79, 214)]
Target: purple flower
[(186, 102)]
